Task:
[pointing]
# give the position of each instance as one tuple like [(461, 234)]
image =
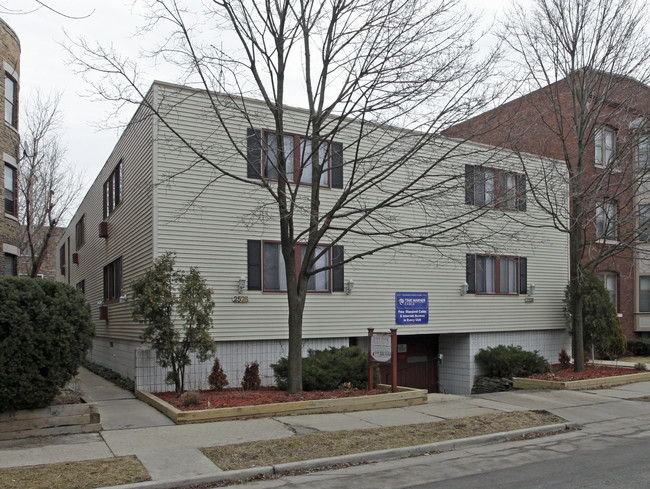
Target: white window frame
[(644, 293), (606, 217), (605, 146), (610, 281)]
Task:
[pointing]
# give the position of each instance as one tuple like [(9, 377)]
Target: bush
[(640, 366), (251, 379), (639, 347), (190, 398), (601, 325), (328, 369), (108, 374), (510, 361), (564, 359), (217, 379), (45, 332)]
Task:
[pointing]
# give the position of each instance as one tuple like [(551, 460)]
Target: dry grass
[(634, 359), (307, 447), (75, 475)]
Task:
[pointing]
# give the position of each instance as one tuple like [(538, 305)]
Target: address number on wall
[(240, 298)]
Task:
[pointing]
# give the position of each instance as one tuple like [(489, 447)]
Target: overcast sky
[(45, 65)]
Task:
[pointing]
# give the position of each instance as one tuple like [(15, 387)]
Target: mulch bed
[(265, 395), (591, 372), (67, 396)]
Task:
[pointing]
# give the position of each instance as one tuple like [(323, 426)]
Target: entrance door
[(416, 362)]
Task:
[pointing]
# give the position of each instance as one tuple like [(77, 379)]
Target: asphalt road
[(603, 454)]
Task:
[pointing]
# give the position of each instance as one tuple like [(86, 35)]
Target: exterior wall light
[(242, 284), (464, 288), (531, 289), (349, 286)]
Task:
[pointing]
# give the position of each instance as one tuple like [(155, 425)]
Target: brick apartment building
[(612, 160), (9, 147)]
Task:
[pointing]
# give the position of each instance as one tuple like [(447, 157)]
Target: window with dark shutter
[(470, 273), (254, 153), (254, 264), (523, 275), (469, 184), (338, 276), (337, 165)]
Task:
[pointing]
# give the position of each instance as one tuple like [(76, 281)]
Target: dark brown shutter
[(470, 272), (337, 164), (254, 264), (254, 152), (523, 275), (469, 184), (521, 192), (338, 276)]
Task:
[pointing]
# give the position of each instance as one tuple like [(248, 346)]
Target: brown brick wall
[(9, 140)]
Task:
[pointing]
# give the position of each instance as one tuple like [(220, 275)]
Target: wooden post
[(371, 380), (394, 358)]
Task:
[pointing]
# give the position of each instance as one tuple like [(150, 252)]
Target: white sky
[(45, 65)]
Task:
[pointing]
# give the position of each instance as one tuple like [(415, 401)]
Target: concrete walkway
[(168, 451)]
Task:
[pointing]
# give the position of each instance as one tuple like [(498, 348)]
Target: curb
[(354, 458)]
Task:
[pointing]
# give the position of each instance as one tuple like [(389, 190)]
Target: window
[(495, 188), (502, 275), (606, 220), (80, 232), (10, 100), (10, 265), (266, 267), (62, 258), (113, 280), (644, 293), (609, 281), (605, 145), (644, 222), (81, 286), (262, 155), (113, 190), (297, 151), (11, 184), (643, 152), (274, 268)]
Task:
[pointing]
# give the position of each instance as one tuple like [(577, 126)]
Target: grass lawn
[(75, 475), (318, 445), (634, 359)]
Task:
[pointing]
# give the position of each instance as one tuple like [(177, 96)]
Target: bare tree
[(362, 69), (588, 63), (48, 189)]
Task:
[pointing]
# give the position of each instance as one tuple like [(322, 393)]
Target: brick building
[(47, 269), (614, 163), (9, 147)]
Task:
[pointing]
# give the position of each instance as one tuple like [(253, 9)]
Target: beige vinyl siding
[(129, 228), (211, 233)]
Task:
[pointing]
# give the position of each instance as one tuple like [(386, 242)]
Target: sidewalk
[(168, 451)]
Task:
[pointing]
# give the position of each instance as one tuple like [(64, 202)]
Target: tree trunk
[(296, 308)]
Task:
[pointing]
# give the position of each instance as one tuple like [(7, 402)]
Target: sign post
[(382, 348)]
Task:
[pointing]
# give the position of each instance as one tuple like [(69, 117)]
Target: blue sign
[(411, 308)]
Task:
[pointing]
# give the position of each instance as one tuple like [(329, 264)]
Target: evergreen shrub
[(328, 369), (45, 332), (639, 347), (510, 361)]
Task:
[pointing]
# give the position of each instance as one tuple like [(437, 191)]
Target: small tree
[(602, 328), (163, 292), (218, 378)]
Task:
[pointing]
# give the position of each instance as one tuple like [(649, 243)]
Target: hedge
[(45, 332)]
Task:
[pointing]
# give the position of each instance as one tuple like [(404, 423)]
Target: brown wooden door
[(416, 363)]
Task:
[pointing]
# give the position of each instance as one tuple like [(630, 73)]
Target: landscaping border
[(62, 419), (405, 396), (525, 383)]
